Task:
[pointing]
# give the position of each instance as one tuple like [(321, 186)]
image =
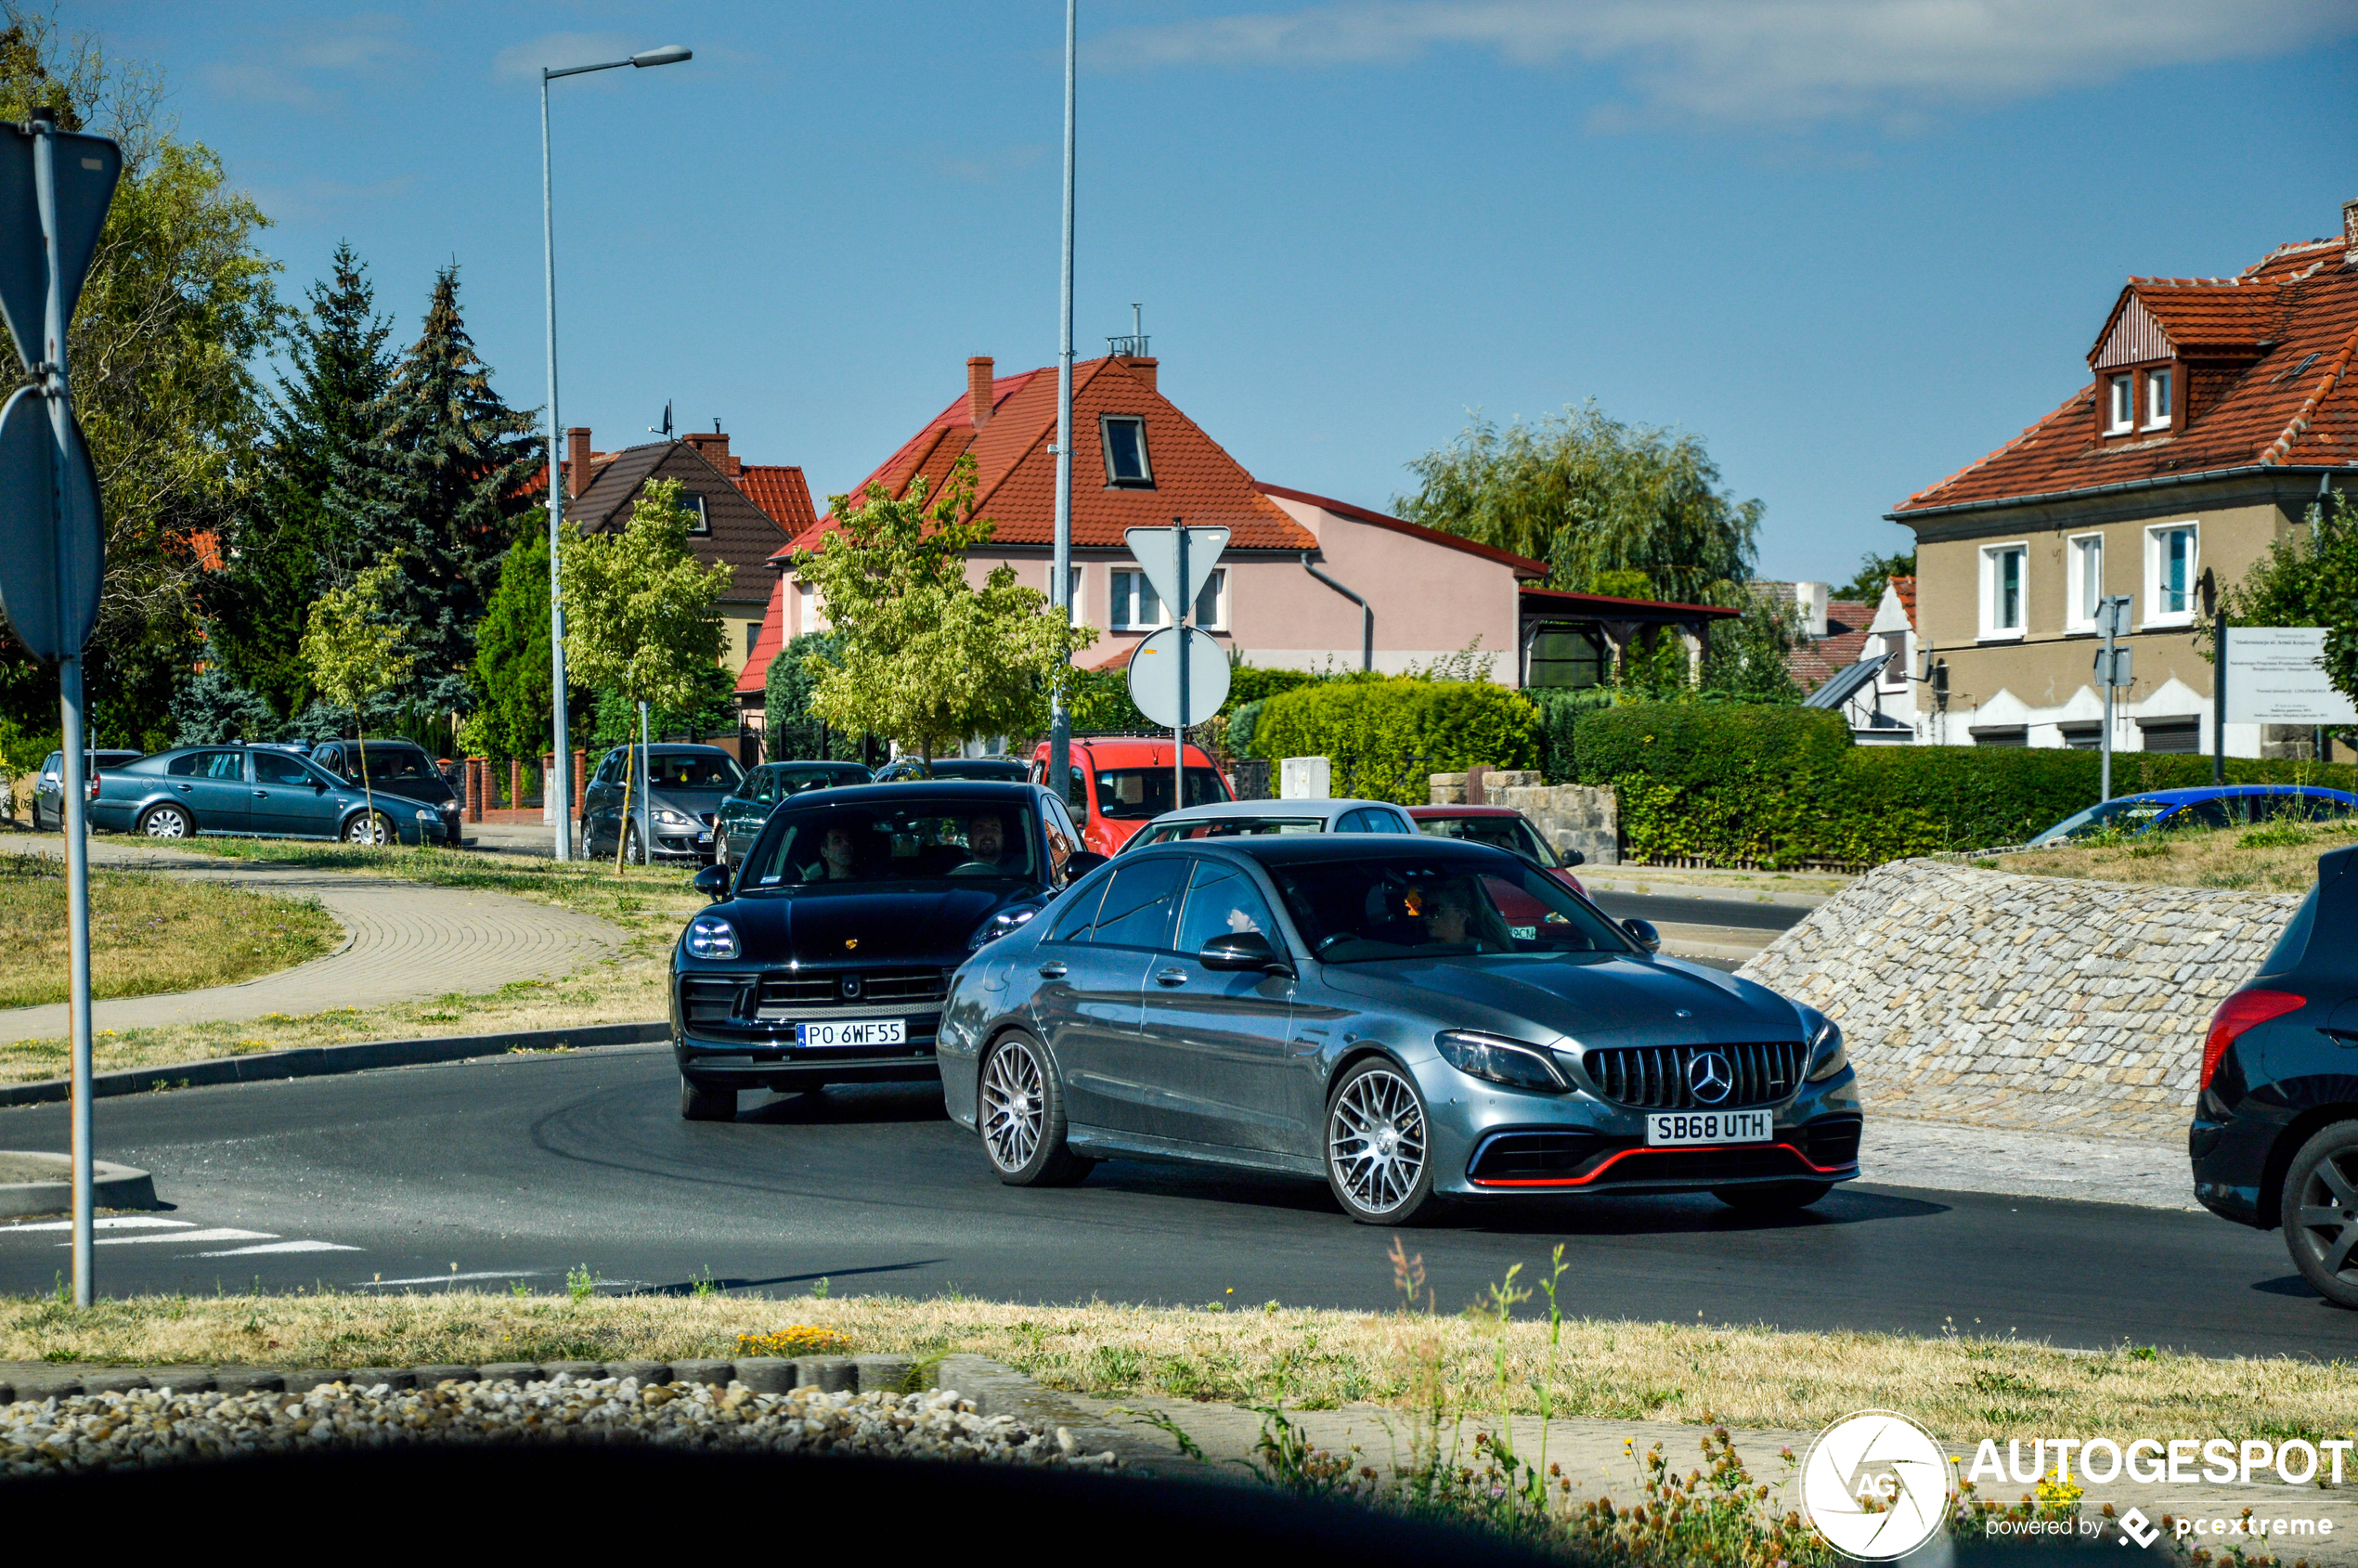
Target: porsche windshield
[(947, 840), (1406, 906)]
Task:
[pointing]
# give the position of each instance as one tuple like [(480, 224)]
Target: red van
[(1119, 782)]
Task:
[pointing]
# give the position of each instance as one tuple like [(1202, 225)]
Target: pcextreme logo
[(1876, 1485)]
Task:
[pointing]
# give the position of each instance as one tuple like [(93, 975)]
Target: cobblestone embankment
[(1998, 1000)]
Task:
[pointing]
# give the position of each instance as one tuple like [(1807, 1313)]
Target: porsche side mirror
[(1643, 933), (1248, 951), (1080, 862), (713, 882)]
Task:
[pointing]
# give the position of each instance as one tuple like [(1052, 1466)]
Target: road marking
[(224, 1233), (129, 1222), (282, 1246), (446, 1279)]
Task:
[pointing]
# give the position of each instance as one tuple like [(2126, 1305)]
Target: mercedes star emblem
[(1709, 1078)]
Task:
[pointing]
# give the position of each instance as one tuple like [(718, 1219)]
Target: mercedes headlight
[(1826, 1055), (711, 937), (1500, 1061), (999, 925)]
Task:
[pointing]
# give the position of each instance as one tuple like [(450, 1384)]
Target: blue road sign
[(87, 168), (50, 565)]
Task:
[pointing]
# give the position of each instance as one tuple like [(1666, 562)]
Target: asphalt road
[(522, 1168)]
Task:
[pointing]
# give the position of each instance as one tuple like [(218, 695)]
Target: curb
[(993, 1389), (1635, 881), (320, 1061), (111, 1186)]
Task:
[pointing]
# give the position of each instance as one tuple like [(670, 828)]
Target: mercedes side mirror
[(713, 882), (1080, 862), (1246, 951), (1642, 932)]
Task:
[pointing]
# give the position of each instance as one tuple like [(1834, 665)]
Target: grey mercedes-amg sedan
[(1419, 1022)]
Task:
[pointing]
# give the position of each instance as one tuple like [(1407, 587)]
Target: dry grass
[(1962, 1388), (649, 903), (2278, 858), (148, 934)]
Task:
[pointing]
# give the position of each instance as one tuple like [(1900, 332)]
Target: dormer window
[(1126, 443), (2124, 406), (692, 504), (2157, 399)]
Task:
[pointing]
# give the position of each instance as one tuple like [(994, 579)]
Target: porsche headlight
[(999, 925), (1500, 1061), (1826, 1055), (711, 937)]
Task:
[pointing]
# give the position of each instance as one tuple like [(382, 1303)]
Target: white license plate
[(1677, 1128), (854, 1032)]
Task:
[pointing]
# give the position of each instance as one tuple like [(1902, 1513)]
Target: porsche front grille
[(882, 988), (1658, 1077)]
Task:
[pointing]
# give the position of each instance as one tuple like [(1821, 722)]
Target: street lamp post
[(559, 786), (1060, 552)]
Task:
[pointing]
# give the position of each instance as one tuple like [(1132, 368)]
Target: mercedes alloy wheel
[(1021, 1115), (1377, 1157)]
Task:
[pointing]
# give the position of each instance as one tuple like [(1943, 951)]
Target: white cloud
[(1763, 61), (283, 70), (563, 49)]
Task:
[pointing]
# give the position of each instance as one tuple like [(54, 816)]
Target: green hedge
[(1385, 736), (1251, 683), (1780, 786)]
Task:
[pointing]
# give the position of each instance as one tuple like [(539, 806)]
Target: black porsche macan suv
[(2275, 1140)]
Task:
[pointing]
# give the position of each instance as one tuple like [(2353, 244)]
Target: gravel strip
[(158, 1427)]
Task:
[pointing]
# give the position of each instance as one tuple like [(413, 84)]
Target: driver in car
[(986, 845), (838, 851)]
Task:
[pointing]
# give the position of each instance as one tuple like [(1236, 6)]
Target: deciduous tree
[(357, 649), (924, 657)]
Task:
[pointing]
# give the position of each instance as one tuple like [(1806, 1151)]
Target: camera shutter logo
[(1875, 1486), (1709, 1078)]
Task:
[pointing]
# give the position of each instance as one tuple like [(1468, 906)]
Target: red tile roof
[(2278, 341), (753, 680), (779, 490), (1907, 587), (1843, 644), (1016, 473)]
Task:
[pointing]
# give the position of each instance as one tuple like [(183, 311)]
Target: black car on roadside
[(743, 810), (825, 958), (901, 769), (2275, 1140), (395, 767)]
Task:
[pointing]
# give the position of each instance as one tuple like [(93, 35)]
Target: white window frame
[(2157, 548), (2076, 617), (1990, 630), (2168, 385), (1145, 479), (1123, 593), (2122, 410), (1216, 586), (1892, 677)]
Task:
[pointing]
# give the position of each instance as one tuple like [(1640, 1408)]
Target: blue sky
[(1853, 243)]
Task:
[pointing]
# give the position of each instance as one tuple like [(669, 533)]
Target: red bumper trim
[(1623, 1154)]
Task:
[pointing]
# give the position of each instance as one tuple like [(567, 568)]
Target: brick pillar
[(477, 774), (1475, 776), (515, 783), (580, 781)]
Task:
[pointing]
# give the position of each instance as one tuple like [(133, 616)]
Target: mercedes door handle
[(1170, 977), (1052, 971)]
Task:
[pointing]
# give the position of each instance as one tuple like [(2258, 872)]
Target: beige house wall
[(2046, 676)]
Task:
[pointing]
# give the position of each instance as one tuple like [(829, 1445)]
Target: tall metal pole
[(1060, 557), (2219, 699), (69, 714), (560, 783), (1179, 626), (646, 797)]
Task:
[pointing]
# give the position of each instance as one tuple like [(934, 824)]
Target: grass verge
[(1963, 1388), (649, 904), (148, 934), (2272, 858)]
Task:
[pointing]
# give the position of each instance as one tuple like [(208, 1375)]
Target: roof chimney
[(1143, 369), (576, 461), (979, 389), (714, 448), (2350, 232)]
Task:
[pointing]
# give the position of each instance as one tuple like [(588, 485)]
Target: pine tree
[(441, 488), (328, 406)]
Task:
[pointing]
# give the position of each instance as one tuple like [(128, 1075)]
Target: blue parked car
[(269, 791), (2209, 805)]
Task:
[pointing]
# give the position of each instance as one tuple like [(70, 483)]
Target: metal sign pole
[(2105, 674), (1060, 550), (646, 797), (70, 712), (1179, 622), (2218, 702), (560, 787)]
